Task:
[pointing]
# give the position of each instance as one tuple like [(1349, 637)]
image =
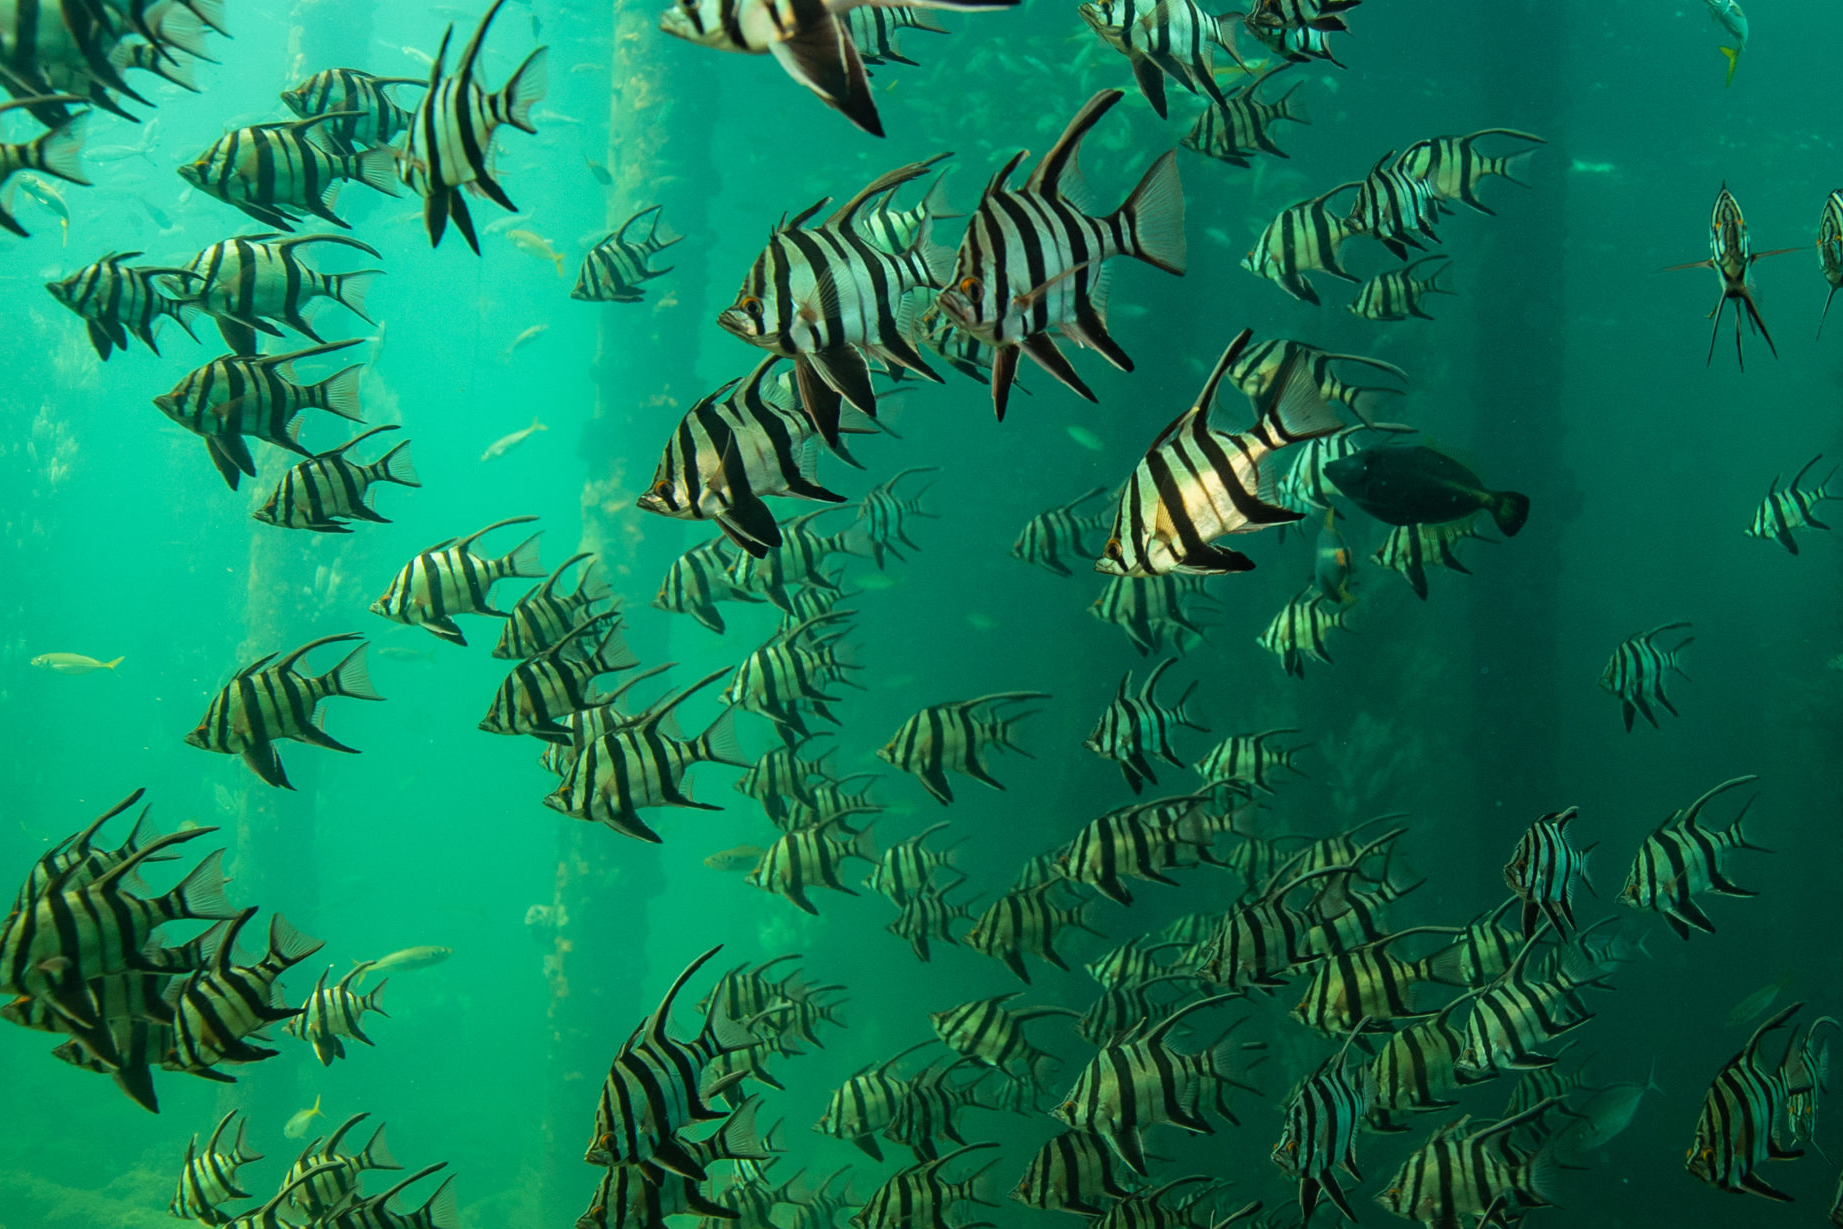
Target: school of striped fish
[(1397, 1011)]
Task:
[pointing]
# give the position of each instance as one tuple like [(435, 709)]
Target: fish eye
[(662, 488), (1112, 549), (749, 302), (970, 285)]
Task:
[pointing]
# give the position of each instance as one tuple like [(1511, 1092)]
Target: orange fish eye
[(749, 303), (662, 488), (1112, 550), (970, 285)]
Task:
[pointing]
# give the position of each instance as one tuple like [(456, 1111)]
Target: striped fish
[(615, 266), (256, 396), (336, 1174), (451, 133), (1680, 860), (1392, 206), (1259, 366), (781, 776), (1197, 484), (75, 862), (1026, 920), (1049, 538), (367, 116), (542, 690), (1521, 1012), (1237, 126), (894, 229), (1459, 1174), (439, 1211), (1124, 1008), (1299, 630), (1132, 963), (1416, 1070), (1246, 763), (1150, 610), (959, 349), (874, 27), (55, 152), (116, 300), (800, 559), (1304, 488), (322, 493), (1411, 549), (1783, 511), (920, 1196), (592, 724), (1074, 1172), (269, 1215), (1637, 670), (907, 867), (265, 703), (1486, 947), (1320, 1135), (1172, 37), (1304, 236), (989, 1032), (1807, 1073), (1453, 168), (883, 515), (544, 616), (697, 581), (244, 283), (209, 1177), (447, 579), (1370, 983), (1397, 294), (928, 915), (1298, 29), (216, 1009), (275, 172), (1732, 257), (1542, 871), (1141, 841), (930, 1109), (134, 1036), (827, 297), (641, 765), (952, 735), (1031, 261), (811, 857), (1829, 251), (1134, 728), (864, 1104), (1737, 1130), (1141, 1081), (1264, 938), (652, 1089), (791, 671), (332, 1013)]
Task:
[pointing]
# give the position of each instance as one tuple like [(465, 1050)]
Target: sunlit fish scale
[(1398, 293), (247, 282), (1736, 1130), (544, 616), (275, 172), (1370, 983), (697, 581), (615, 267), (811, 857), (366, 115), (1031, 261), (556, 682), (447, 579), (953, 735), (439, 1211), (322, 493), (800, 559), (1790, 508), (883, 515), (209, 1176), (450, 137), (864, 1104), (325, 1178), (1074, 1172), (117, 301), (1637, 670), (55, 152), (1305, 236), (1026, 920), (1141, 1082), (215, 1010), (907, 867), (1049, 539), (1542, 871), (1300, 629), (1515, 1017), (1412, 549), (1135, 727), (1321, 1126), (332, 1013), (1680, 860), (640, 765), (1453, 168), (828, 297), (256, 396), (1150, 609), (1237, 126), (1457, 1174), (1246, 763)]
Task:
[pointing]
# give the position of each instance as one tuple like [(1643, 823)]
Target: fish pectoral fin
[(231, 455), (265, 763), (820, 55)]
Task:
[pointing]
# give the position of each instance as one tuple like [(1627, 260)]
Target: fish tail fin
[(1733, 55), (201, 894), (1510, 510), (377, 168), (377, 1153), (110, 665), (349, 290), (339, 392), (1512, 165), (57, 151), (522, 560), (718, 743), (1288, 106), (350, 677), (395, 466), (1153, 217), (524, 90)]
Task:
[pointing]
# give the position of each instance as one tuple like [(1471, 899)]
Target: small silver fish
[(1733, 23), (530, 334), (297, 1124), (72, 663), (506, 443)]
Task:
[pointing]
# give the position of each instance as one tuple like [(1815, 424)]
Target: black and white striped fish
[(336, 1173), (864, 1104), (641, 765), (1049, 538), (812, 857), (907, 867), (1737, 1130), (1074, 1172), (1133, 728), (1453, 168), (1392, 206), (793, 671), (1265, 937), (210, 1175), (1260, 365), (1732, 257), (451, 133), (320, 494), (544, 616), (1637, 670), (800, 559), (255, 396), (75, 861), (275, 172), (1246, 763), (116, 300), (953, 735), (216, 1009), (927, 915), (1397, 294), (439, 1211), (1298, 29), (1515, 1017), (884, 515), (269, 700), (1322, 1123), (1141, 841), (55, 152), (697, 581), (920, 1196), (990, 1032), (448, 579), (1783, 511), (1237, 127), (1169, 37), (1197, 484), (614, 268), (1680, 860), (367, 116), (1299, 630), (1026, 920), (1460, 1174), (1031, 261), (1542, 871), (828, 297), (1151, 609), (556, 682), (1132, 963), (332, 1013), (247, 282), (1829, 250), (874, 28), (1412, 549), (1416, 1069), (1368, 981), (269, 1215), (1305, 236)]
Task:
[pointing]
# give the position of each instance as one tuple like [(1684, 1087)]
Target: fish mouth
[(735, 320), (1109, 567), (377, 608), (959, 309), (196, 739), (652, 503)]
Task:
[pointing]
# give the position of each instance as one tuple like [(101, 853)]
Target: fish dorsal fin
[(803, 217), (550, 582), (464, 71), (846, 214), (661, 709), (342, 449), (441, 59), (1047, 175), (287, 663), (997, 182), (1207, 398), (462, 544), (620, 236), (254, 667), (657, 1022)]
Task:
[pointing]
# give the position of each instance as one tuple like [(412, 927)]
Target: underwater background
[(1564, 367)]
